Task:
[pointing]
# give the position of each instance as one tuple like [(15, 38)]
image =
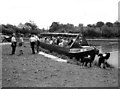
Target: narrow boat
[(77, 48)]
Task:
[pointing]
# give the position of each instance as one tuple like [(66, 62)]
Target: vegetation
[(100, 29)]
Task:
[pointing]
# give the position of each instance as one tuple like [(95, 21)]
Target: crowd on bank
[(14, 44), (34, 44)]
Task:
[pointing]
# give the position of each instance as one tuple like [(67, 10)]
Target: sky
[(44, 12), (119, 11)]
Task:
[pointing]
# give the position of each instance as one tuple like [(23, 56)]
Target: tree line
[(25, 29), (100, 29)]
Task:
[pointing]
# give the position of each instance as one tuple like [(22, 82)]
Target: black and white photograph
[(59, 43)]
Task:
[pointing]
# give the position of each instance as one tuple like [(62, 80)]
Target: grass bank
[(38, 71)]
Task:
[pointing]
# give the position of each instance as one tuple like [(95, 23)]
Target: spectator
[(13, 44), (21, 45), (37, 43), (32, 43)]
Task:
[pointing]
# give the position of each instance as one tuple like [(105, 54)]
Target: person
[(58, 40), (21, 44), (62, 43), (32, 43), (51, 41), (70, 41), (37, 43), (13, 44)]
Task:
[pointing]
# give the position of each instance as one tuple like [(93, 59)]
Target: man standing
[(13, 44), (37, 43), (21, 45), (32, 43)]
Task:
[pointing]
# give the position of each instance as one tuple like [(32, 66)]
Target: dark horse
[(103, 59), (89, 58)]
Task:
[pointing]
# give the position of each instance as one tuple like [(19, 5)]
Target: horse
[(103, 59), (89, 58)]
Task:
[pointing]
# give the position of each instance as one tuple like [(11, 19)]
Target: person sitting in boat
[(61, 43), (47, 40), (51, 41), (80, 40), (65, 43), (70, 41), (58, 40), (42, 39)]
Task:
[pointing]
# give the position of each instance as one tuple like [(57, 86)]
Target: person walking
[(37, 43), (21, 45), (32, 43), (13, 44)]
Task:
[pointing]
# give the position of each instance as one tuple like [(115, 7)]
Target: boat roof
[(61, 34)]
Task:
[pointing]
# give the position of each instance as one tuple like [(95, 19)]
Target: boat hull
[(70, 52)]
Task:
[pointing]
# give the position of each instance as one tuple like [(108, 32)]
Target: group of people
[(34, 43), (60, 41), (14, 44)]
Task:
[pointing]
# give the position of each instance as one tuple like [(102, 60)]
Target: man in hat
[(13, 44)]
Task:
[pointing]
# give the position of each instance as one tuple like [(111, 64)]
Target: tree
[(99, 24), (109, 24), (32, 25), (106, 32), (117, 23), (54, 27), (89, 25)]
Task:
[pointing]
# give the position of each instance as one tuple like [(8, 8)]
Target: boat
[(78, 48)]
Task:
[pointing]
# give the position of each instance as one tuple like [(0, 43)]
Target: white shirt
[(13, 39), (51, 41), (32, 39), (61, 44), (36, 37)]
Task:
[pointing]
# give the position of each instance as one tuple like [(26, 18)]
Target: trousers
[(33, 47)]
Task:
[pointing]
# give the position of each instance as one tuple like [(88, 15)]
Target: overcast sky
[(44, 12)]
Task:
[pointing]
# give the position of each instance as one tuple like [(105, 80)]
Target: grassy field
[(36, 70)]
